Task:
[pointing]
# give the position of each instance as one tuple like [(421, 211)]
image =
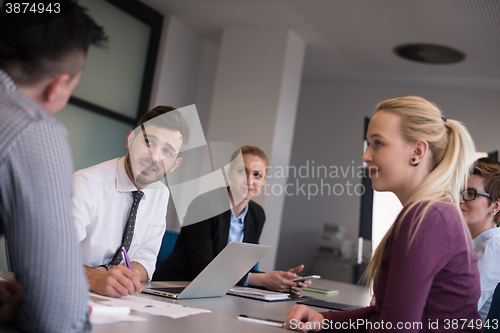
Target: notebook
[(227, 268), (261, 294)]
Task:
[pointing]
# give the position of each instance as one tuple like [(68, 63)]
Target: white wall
[(329, 131), (255, 102), (185, 69), (93, 138), (185, 74)]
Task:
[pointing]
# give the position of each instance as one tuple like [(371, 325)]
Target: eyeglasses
[(470, 194)]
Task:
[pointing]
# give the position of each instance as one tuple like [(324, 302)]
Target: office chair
[(167, 246)]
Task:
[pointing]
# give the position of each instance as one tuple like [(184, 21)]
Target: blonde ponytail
[(453, 155)]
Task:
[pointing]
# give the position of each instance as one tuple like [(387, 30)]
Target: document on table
[(98, 320), (151, 306), (98, 316)]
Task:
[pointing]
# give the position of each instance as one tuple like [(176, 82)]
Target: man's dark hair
[(167, 117), (31, 53)]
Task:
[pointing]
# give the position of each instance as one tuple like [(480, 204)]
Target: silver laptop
[(227, 268)]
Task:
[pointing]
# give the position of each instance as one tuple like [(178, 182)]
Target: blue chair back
[(167, 245), (494, 313)]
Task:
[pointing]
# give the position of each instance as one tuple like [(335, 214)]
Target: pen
[(127, 261), (125, 258)]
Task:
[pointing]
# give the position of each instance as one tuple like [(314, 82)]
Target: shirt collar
[(242, 214), (123, 181), (7, 80), (32, 107), (485, 235)]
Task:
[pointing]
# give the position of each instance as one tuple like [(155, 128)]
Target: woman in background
[(424, 271), (199, 243), (480, 203)]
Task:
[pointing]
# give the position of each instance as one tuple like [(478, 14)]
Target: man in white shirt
[(105, 201)]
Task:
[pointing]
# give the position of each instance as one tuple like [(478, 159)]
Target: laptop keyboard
[(172, 290)]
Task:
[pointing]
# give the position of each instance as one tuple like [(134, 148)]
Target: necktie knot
[(137, 195)]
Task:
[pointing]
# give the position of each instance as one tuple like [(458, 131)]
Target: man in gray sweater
[(42, 57)]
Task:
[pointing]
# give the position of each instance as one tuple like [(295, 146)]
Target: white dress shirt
[(237, 227), (101, 204), (237, 231), (487, 248)]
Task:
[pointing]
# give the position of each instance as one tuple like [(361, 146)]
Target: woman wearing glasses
[(480, 204), (424, 272)]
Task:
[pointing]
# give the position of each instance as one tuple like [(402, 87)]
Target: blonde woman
[(198, 244), (424, 272)]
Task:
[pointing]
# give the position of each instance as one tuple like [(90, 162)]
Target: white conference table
[(226, 309)]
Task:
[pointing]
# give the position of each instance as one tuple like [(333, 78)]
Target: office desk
[(225, 311)]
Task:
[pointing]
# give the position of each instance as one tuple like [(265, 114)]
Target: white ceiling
[(352, 40)]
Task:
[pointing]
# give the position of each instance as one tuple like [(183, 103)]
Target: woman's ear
[(419, 151), (495, 205)]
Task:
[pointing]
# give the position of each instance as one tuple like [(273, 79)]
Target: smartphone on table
[(302, 279)]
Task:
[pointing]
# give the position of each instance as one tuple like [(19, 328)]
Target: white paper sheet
[(96, 319), (151, 306)]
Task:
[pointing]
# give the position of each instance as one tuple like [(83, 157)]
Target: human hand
[(301, 284), (10, 300), (275, 280), (117, 282), (279, 280), (303, 319), (372, 302), (297, 269), (136, 267)]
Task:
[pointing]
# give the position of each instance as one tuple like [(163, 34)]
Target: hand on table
[(10, 300), (302, 318), (118, 281)]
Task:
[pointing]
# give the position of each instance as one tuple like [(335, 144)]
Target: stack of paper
[(110, 314), (321, 291)]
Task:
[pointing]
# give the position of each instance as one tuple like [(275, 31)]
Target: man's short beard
[(138, 178)]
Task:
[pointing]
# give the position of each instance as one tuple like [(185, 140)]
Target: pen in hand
[(125, 258), (127, 261)]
